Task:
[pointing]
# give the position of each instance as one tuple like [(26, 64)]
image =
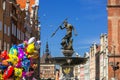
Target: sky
[(89, 18)]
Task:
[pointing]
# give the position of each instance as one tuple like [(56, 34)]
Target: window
[(5, 29), (19, 34), (0, 25), (8, 46), (12, 28), (22, 36), (8, 31), (4, 45), (15, 30)]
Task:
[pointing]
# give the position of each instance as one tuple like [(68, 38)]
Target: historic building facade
[(113, 9), (87, 67), (11, 24), (47, 69), (94, 62), (13, 18), (103, 57)]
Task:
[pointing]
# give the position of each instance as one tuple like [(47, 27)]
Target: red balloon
[(8, 72), (4, 55)]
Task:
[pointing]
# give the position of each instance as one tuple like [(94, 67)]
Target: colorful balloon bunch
[(19, 59)]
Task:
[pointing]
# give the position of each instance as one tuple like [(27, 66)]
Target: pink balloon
[(21, 53), (18, 65), (23, 74)]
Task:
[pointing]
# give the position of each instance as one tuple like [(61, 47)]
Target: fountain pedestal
[(67, 53)]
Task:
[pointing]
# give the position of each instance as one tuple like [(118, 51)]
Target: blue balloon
[(26, 64), (14, 46), (3, 67), (21, 46)]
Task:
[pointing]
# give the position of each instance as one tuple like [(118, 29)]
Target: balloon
[(21, 46), (30, 48), (25, 43), (26, 64), (34, 78), (5, 63), (23, 73), (35, 56), (4, 55), (37, 45), (1, 78), (2, 67), (18, 72), (13, 50), (21, 53), (39, 42), (24, 57), (34, 66), (13, 59), (31, 40), (29, 73), (8, 72), (18, 65)]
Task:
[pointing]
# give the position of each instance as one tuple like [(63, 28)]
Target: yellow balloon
[(30, 48), (36, 52), (34, 56), (18, 72), (1, 77), (13, 59)]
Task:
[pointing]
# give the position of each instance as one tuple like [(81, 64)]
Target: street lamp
[(4, 7), (114, 64)]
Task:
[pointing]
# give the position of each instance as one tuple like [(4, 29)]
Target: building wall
[(87, 67), (12, 23), (57, 75), (76, 70), (5, 23), (1, 21), (97, 65), (12, 20), (103, 57), (47, 71), (113, 25), (82, 75), (113, 35), (92, 62)]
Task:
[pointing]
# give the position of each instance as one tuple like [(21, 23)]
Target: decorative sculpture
[(67, 40)]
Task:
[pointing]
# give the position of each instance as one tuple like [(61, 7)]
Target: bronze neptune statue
[(67, 40)]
